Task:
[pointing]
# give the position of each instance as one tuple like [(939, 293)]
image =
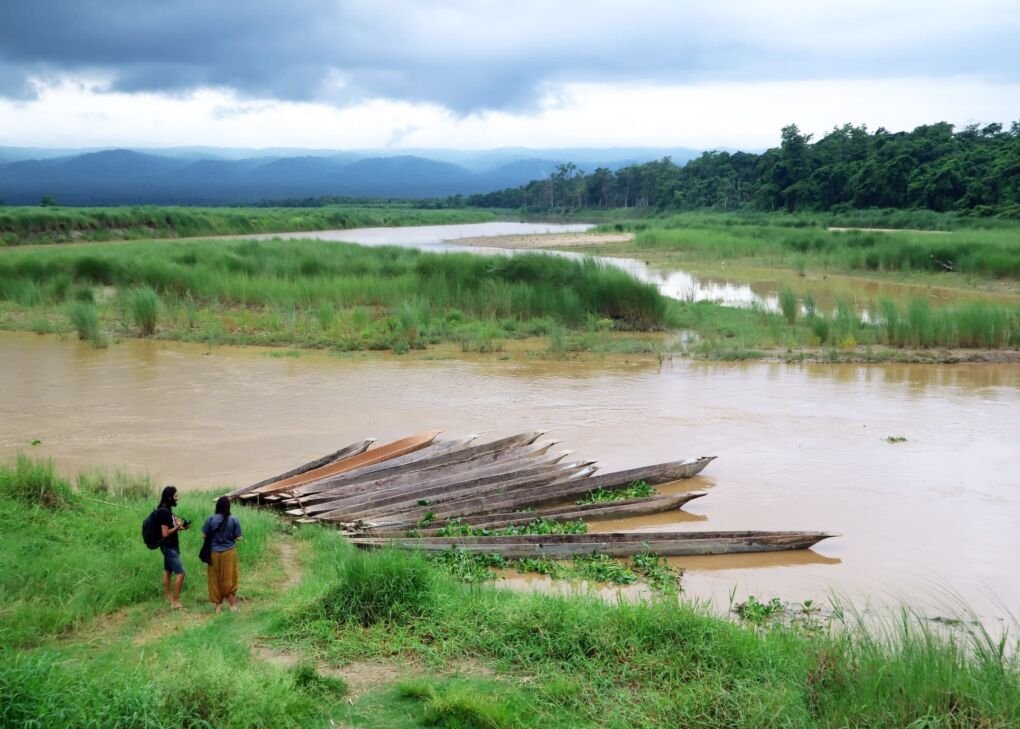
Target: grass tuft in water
[(143, 307)]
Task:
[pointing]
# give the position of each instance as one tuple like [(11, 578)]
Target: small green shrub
[(85, 320), (143, 308), (386, 586), (788, 305), (35, 483)]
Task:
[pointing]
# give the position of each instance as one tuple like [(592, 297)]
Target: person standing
[(225, 531), (170, 524)]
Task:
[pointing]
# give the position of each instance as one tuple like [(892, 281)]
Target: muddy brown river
[(931, 521)]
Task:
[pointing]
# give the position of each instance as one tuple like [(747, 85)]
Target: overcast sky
[(396, 74)]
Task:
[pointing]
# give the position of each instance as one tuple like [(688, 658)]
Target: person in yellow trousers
[(223, 571)]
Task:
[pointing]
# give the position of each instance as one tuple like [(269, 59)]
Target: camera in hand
[(185, 523)]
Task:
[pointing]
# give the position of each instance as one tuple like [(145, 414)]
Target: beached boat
[(438, 456), (370, 457), (573, 512), (613, 544), (568, 489), (351, 450)]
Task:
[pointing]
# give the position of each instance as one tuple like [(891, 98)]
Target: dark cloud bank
[(463, 55)]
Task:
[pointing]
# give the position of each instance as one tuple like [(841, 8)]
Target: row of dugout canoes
[(408, 492)]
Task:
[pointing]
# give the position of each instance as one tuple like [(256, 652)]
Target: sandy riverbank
[(545, 240)]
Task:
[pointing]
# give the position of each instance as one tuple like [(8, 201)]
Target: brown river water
[(932, 522)]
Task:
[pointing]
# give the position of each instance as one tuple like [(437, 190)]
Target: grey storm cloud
[(477, 55)]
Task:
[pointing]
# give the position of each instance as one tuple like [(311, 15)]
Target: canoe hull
[(616, 544)]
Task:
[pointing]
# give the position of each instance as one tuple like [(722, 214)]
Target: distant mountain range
[(208, 176)]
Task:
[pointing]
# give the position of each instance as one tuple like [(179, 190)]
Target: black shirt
[(165, 517)]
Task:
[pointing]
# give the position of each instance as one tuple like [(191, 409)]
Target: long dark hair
[(223, 508), (167, 497)]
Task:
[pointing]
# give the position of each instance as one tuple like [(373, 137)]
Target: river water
[(933, 521), (798, 446)]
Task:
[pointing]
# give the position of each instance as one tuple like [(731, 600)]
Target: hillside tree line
[(975, 170)]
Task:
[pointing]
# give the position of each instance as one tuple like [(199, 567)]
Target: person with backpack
[(170, 524), (224, 532)]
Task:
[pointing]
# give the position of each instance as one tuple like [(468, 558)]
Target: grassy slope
[(27, 225), (88, 641)]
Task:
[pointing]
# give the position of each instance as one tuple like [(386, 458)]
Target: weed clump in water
[(143, 307), (85, 320)]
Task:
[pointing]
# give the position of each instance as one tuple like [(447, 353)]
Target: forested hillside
[(933, 167)]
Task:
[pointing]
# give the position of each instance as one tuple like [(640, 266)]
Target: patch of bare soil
[(291, 568), (545, 240)]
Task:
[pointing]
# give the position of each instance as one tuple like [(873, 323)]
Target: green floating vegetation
[(477, 567), (636, 490), (539, 525)]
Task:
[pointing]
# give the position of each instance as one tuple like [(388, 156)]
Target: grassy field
[(974, 263), (309, 294), (315, 294), (25, 224), (941, 244), (328, 636)]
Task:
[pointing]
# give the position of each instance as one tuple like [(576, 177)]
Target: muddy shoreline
[(544, 240)]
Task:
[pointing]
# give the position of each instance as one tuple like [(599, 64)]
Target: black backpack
[(152, 530)]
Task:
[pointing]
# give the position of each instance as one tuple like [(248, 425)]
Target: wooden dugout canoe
[(613, 544), (572, 512), (371, 457), (477, 453), (394, 497), (511, 458), (545, 475), (351, 450), (569, 489)]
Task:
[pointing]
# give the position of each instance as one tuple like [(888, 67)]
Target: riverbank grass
[(391, 639), (24, 225), (317, 294)]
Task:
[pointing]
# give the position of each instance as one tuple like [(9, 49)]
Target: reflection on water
[(799, 446)]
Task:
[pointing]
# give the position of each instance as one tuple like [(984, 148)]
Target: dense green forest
[(975, 170)]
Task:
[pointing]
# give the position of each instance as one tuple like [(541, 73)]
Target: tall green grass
[(86, 640), (85, 319), (143, 307), (69, 555), (327, 294), (22, 225), (796, 241), (659, 663)]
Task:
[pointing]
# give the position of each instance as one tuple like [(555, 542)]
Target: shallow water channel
[(926, 521)]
